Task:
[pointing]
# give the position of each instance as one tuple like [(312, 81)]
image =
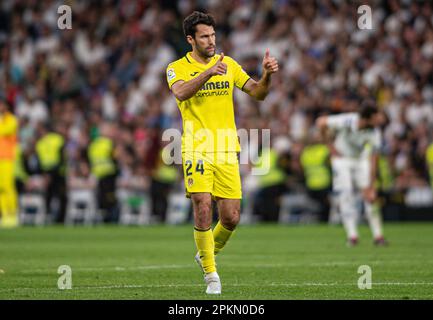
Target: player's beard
[(205, 53)]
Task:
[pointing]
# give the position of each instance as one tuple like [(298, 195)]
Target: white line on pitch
[(307, 284), (188, 266)]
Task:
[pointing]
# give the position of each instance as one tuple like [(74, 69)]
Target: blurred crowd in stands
[(93, 101)]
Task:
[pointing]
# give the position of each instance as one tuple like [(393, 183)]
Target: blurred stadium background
[(93, 102)]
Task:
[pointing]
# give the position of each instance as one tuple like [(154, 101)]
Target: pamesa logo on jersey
[(208, 89)]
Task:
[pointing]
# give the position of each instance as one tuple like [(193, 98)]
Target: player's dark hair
[(368, 110), (190, 23)]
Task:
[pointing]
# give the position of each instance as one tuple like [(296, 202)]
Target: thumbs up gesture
[(270, 64), (220, 67)]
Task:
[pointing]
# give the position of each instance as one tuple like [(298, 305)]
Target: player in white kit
[(358, 141)]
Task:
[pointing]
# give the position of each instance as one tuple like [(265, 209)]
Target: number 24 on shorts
[(199, 167)]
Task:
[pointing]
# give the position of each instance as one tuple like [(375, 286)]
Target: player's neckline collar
[(191, 59)]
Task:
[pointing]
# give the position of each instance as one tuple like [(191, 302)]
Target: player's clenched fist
[(270, 64), (219, 68)]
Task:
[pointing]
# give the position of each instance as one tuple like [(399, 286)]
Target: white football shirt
[(351, 141)]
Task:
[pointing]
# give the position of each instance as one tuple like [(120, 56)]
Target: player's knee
[(203, 215), (231, 219)]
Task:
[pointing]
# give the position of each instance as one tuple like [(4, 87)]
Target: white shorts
[(350, 174)]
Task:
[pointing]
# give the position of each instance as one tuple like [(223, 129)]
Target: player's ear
[(190, 40)]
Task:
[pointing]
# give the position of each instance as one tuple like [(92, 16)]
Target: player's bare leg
[(203, 236), (229, 217), (202, 206), (229, 212)]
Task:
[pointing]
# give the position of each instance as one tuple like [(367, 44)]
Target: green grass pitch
[(260, 262)]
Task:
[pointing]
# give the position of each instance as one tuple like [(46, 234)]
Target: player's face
[(204, 41), (371, 123), (380, 120)]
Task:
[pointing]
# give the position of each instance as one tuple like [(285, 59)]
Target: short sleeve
[(240, 76), (174, 74)]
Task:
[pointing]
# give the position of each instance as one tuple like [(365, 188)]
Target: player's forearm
[(261, 88), (189, 88), (322, 126), (326, 134)]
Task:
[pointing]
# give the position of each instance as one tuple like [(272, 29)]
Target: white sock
[(373, 215), (349, 214), (213, 274)]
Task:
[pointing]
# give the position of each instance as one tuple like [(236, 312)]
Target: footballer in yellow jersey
[(8, 151), (203, 83)]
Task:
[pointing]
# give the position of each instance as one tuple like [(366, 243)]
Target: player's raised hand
[(270, 64), (220, 67)]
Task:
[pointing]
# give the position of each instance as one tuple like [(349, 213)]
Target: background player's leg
[(229, 214), (202, 207), (346, 198), (373, 215), (372, 209), (8, 195), (2, 205), (2, 193), (12, 204), (349, 214)]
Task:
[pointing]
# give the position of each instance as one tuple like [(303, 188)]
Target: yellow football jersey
[(208, 117)]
